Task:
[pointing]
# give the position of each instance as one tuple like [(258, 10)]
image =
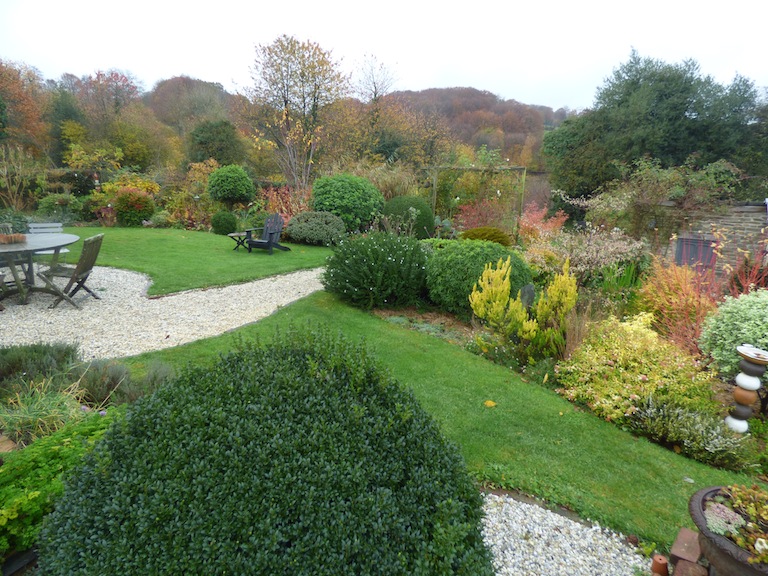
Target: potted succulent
[(733, 528)]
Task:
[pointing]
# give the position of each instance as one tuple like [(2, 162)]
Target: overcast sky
[(554, 53)]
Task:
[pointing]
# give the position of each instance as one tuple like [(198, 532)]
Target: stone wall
[(738, 228)]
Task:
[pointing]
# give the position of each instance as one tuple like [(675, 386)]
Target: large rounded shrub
[(224, 222), (407, 209), (318, 228), (301, 456), (736, 321), (352, 198), (230, 184), (376, 270), (133, 206), (454, 266)]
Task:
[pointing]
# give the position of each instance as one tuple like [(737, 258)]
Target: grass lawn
[(181, 259), (532, 440)]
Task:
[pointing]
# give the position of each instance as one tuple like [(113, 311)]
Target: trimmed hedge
[(224, 223), (400, 207), (318, 228), (376, 270), (301, 456), (353, 199), (454, 266)]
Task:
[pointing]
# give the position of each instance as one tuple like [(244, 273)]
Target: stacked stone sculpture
[(752, 366)]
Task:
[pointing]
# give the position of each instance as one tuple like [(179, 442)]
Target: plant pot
[(722, 554)]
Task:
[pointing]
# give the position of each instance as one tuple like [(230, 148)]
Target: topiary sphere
[(298, 456), (317, 228), (353, 199), (400, 207), (224, 223), (454, 266), (230, 184)]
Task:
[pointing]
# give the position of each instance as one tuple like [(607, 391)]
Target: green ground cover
[(182, 259)]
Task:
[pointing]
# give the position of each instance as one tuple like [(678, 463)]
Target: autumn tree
[(294, 82), (184, 103), (23, 95), (103, 97)]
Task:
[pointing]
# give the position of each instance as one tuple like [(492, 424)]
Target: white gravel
[(529, 540), (125, 322), (525, 539)]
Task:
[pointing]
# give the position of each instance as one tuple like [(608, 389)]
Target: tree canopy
[(293, 82), (650, 108)]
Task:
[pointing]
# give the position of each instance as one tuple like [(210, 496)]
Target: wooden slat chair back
[(47, 228), (270, 236), (77, 274)]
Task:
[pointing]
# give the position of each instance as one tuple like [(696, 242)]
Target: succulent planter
[(722, 554)]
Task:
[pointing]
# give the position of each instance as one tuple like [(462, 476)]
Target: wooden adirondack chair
[(270, 237), (77, 275)]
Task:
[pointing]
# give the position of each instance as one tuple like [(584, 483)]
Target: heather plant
[(699, 435), (536, 331), (622, 363), (310, 457), (352, 198), (736, 321), (454, 266), (316, 228), (377, 269), (679, 298)]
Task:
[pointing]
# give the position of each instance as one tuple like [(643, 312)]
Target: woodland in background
[(72, 134)]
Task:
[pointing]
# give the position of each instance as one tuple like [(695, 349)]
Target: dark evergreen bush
[(454, 266), (133, 206), (490, 233), (352, 198), (376, 270), (298, 457), (401, 207), (319, 228), (224, 222)]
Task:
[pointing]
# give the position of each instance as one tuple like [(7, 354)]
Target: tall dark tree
[(218, 140), (63, 107), (650, 108)]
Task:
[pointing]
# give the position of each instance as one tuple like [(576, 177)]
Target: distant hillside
[(478, 117)]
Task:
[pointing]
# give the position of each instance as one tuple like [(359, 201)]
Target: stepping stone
[(686, 547)]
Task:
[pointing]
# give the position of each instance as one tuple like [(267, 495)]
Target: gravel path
[(125, 322), (526, 539)]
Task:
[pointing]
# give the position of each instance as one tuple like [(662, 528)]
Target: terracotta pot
[(727, 558)]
